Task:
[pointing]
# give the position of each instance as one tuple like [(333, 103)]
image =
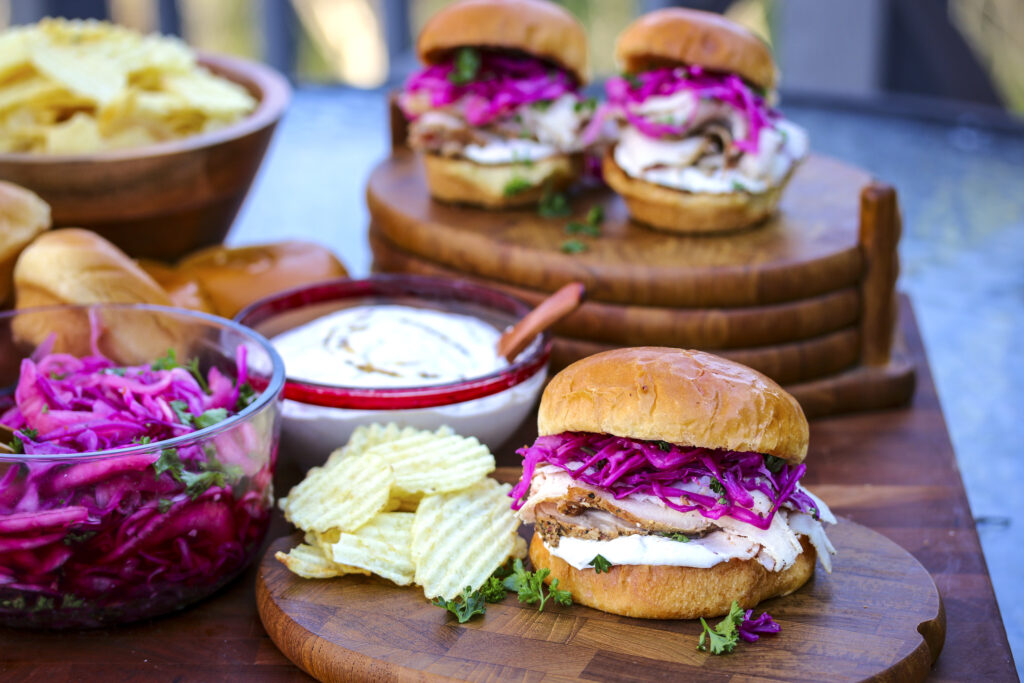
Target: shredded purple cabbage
[(88, 540), (625, 93), (751, 629), (627, 466), (503, 84)]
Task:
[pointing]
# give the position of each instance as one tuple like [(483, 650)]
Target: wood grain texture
[(879, 237), (877, 617), (893, 471), (810, 247), (630, 325), (162, 201)]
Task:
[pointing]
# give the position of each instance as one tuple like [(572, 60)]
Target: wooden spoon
[(6, 437), (547, 313)]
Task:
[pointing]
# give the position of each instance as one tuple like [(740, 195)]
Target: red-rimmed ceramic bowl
[(319, 417)]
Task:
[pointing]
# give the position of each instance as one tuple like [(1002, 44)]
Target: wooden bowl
[(165, 200)]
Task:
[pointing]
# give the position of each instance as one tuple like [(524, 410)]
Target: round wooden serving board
[(878, 616), (809, 247)]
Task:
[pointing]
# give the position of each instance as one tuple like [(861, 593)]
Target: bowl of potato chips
[(133, 136)]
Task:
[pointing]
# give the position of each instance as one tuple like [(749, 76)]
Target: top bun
[(676, 35), (541, 29), (688, 398)]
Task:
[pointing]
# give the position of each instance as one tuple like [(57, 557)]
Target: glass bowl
[(106, 537), (319, 418)]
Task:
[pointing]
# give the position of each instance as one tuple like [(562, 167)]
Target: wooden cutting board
[(809, 247), (878, 616)]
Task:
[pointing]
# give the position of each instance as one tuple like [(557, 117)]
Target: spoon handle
[(547, 313)]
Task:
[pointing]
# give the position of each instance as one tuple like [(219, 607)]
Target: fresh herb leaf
[(724, 637), (29, 433), (718, 488), (78, 537), (211, 417), (70, 601), (142, 440), (464, 606), (738, 186), (180, 409), (16, 444), (197, 482), (166, 362), (600, 564), (466, 66), (169, 462), (595, 215), (575, 228), (572, 247), (676, 536), (164, 504), (516, 185), (530, 586), (562, 597), (589, 103), (193, 367), (773, 464), (246, 395), (664, 446), (540, 105), (493, 590), (553, 204)]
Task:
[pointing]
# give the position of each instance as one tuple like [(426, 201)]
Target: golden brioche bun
[(675, 35), (675, 210), (183, 289), (75, 266), (23, 216), (234, 277), (689, 398), (461, 181), (538, 28), (667, 592)]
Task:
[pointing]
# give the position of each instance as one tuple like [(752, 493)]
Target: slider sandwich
[(665, 484), (701, 149), (496, 112)]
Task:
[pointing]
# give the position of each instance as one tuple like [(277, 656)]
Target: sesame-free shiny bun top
[(536, 27), (676, 35), (688, 398)]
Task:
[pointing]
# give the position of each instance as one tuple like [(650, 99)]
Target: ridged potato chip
[(381, 546), (435, 462), (345, 496), (308, 562), (366, 437), (460, 538)]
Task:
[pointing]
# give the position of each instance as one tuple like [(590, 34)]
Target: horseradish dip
[(390, 346)]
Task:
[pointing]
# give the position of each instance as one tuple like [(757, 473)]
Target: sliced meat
[(595, 525), (641, 513)]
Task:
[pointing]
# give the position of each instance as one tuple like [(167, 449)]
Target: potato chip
[(460, 538), (365, 437), (77, 135), (381, 546), (345, 496), (435, 462), (310, 563)]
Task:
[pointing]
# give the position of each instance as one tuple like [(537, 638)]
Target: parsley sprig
[(466, 66), (530, 586), (600, 564), (723, 638), (464, 606)]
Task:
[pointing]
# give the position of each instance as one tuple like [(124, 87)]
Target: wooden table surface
[(893, 471)]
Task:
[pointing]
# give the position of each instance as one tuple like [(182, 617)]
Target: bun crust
[(461, 181), (666, 592), (23, 216), (183, 290), (234, 277), (541, 29), (676, 35), (689, 212), (689, 398)]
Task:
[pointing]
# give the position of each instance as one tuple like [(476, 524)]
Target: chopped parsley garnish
[(193, 367), (246, 395), (600, 564), (576, 228), (718, 488), (180, 409), (464, 606), (530, 586), (214, 473), (676, 536), (164, 504), (211, 417), (739, 187), (493, 590), (553, 204), (516, 185), (465, 67), (773, 464), (572, 247), (167, 362), (723, 638), (664, 445)]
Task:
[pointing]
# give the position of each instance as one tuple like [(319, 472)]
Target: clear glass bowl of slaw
[(320, 417), (141, 528)]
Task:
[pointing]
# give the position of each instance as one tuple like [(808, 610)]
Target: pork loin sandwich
[(700, 147), (496, 113), (665, 484)]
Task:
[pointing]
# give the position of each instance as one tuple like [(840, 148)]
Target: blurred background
[(927, 95)]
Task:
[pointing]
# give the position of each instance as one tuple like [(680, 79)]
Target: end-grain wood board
[(809, 247), (628, 325), (878, 616)]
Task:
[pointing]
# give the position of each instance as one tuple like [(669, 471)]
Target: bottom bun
[(465, 182), (666, 208), (667, 592)]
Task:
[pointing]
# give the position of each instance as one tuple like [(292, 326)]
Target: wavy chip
[(435, 462), (366, 437), (345, 496), (460, 538), (308, 562), (381, 546)]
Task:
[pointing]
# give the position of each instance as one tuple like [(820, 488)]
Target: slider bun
[(461, 181), (538, 28), (75, 266), (675, 35), (675, 210), (668, 592), (23, 216), (183, 290), (689, 398), (234, 277)]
